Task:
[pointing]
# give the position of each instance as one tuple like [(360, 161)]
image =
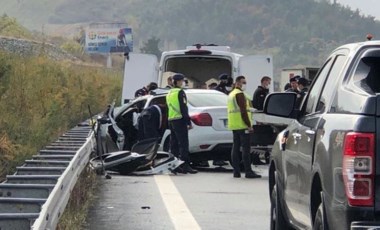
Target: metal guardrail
[(35, 196)]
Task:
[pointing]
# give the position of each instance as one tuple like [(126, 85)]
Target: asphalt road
[(211, 199)]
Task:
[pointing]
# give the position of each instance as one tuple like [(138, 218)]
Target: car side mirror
[(281, 105)]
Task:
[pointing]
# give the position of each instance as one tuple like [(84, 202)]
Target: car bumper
[(205, 139), (361, 225)]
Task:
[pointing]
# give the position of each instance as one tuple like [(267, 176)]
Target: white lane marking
[(176, 206)]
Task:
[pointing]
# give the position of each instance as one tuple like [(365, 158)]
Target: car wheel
[(276, 214), (320, 221)]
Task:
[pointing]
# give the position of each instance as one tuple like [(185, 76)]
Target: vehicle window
[(158, 100), (367, 74), (137, 107), (313, 94), (206, 99), (330, 85)]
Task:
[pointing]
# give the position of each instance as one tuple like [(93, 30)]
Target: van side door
[(139, 71), (254, 67)]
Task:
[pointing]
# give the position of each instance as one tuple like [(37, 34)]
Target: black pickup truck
[(324, 170)]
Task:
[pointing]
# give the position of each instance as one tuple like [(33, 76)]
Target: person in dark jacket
[(230, 84), (153, 122), (223, 80), (260, 93), (302, 90), (293, 84), (146, 89)]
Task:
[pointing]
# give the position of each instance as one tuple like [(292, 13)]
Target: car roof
[(187, 91), (164, 91), (358, 45)]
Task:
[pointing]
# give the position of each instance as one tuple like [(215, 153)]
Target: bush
[(41, 99)]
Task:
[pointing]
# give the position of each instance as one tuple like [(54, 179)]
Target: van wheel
[(276, 214), (320, 221)]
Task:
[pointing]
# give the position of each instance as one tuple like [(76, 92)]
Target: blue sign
[(109, 40)]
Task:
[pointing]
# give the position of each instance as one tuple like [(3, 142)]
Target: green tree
[(151, 47)]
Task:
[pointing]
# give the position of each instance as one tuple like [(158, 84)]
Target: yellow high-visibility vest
[(174, 110), (235, 120)]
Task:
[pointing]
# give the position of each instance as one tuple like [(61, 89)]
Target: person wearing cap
[(179, 123), (146, 89), (293, 84), (261, 93), (240, 122), (302, 90), (230, 84), (223, 80)]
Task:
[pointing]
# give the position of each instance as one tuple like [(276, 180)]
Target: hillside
[(294, 31)]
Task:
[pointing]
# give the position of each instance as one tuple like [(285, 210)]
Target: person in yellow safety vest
[(179, 123), (240, 122)]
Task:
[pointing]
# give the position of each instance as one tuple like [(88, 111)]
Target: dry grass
[(81, 198)]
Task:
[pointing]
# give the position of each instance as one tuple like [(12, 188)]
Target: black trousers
[(241, 139), (179, 139)]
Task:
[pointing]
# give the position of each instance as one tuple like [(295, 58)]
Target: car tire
[(320, 221), (276, 214)]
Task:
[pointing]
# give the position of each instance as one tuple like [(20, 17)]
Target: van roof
[(213, 52)]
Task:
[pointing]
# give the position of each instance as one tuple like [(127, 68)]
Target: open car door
[(139, 71)]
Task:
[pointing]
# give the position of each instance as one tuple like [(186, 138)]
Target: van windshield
[(199, 69), (206, 99)]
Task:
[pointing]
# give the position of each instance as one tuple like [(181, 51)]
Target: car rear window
[(206, 99), (367, 73)]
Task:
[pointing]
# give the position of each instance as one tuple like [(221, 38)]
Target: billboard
[(109, 40)]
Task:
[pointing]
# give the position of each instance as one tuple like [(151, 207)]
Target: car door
[(126, 121), (309, 126), (296, 162)]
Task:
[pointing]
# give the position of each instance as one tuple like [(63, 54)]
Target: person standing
[(261, 92), (221, 87), (146, 89), (302, 90), (293, 84), (240, 122), (179, 123), (230, 84)]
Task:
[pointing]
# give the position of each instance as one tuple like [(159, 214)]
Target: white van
[(198, 63)]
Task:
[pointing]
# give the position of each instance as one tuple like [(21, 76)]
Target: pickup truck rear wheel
[(276, 214), (320, 221)]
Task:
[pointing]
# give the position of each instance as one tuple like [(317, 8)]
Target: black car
[(324, 170)]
